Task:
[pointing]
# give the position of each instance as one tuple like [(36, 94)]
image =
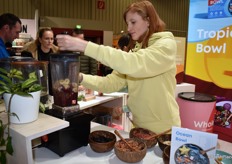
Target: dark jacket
[(88, 65)]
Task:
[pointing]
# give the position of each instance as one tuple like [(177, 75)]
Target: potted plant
[(14, 84)]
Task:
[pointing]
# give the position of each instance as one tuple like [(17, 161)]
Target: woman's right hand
[(67, 42)]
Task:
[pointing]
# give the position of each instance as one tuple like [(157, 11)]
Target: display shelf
[(23, 134), (98, 100), (109, 102)]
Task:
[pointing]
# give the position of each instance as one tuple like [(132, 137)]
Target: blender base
[(72, 137), (65, 111)]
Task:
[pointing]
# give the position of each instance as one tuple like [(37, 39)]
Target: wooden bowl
[(164, 140), (142, 134), (124, 153), (102, 141), (166, 154)]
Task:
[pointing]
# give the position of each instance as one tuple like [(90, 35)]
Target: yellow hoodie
[(150, 76)]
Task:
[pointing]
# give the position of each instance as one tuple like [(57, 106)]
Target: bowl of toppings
[(145, 135), (166, 154), (102, 141), (134, 152), (164, 140)]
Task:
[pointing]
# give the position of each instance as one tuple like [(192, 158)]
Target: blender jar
[(64, 74)]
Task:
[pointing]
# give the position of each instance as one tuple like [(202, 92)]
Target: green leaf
[(3, 71), (32, 75), (3, 157), (35, 87), (19, 73), (9, 147), (2, 83), (5, 79), (1, 132), (28, 83), (42, 107), (18, 77), (4, 89)]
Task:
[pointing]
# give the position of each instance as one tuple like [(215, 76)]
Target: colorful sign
[(191, 146), (209, 52), (219, 8)]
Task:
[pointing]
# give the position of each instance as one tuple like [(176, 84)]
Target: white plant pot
[(26, 108)]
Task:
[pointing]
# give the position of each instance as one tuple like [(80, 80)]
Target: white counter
[(85, 155), (23, 134), (97, 101)]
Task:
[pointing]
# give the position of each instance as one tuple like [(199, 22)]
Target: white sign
[(191, 146), (29, 27)]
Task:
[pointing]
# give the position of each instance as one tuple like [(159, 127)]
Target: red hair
[(147, 11)]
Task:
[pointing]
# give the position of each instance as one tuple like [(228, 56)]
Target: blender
[(64, 75), (64, 67)]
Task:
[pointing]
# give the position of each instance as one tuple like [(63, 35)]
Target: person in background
[(10, 27), (148, 69), (123, 42), (88, 65), (10, 49), (42, 46)]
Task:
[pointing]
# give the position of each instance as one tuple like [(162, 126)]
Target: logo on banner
[(209, 53)]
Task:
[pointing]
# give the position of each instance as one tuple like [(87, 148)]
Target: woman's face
[(136, 25), (47, 39)]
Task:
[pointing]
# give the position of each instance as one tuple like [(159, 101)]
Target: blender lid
[(65, 56), (198, 97), (64, 53)]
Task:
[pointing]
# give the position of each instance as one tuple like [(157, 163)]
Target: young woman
[(43, 45), (148, 69), (41, 48)]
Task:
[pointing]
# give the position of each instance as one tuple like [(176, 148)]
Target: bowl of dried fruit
[(145, 135), (102, 141), (135, 153), (164, 140)]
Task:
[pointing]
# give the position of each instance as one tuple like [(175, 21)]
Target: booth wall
[(174, 13)]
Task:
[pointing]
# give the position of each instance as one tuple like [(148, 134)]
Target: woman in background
[(148, 69), (42, 46)]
